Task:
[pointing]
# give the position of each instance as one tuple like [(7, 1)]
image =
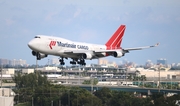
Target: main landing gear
[(80, 62), (61, 61), (73, 62)]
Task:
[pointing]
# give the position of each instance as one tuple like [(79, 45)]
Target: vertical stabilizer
[(115, 41)]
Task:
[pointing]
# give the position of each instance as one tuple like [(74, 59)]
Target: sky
[(147, 23)]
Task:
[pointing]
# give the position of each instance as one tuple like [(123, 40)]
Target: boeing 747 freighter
[(42, 46)]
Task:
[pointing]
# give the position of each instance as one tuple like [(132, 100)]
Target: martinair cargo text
[(42, 46)]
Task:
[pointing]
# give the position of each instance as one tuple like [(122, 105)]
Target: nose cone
[(33, 45)]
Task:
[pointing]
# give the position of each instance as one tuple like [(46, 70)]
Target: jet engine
[(87, 56), (39, 55), (42, 55), (33, 53), (117, 54)]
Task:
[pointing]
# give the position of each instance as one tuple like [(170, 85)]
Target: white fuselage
[(57, 46)]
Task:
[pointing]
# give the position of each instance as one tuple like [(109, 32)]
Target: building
[(162, 61), (102, 61), (50, 70), (165, 75), (54, 61), (112, 64), (6, 97), (106, 63), (4, 62), (148, 64), (6, 92), (8, 71), (15, 62), (27, 71)]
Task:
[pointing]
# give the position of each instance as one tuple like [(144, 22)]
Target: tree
[(95, 81), (143, 78), (159, 99), (30, 80), (120, 99), (104, 94), (26, 84), (136, 78), (130, 77)]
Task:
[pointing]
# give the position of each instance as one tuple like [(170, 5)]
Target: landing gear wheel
[(61, 61), (82, 62), (38, 57), (73, 62)]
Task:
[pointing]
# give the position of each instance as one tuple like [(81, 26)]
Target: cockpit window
[(36, 37)]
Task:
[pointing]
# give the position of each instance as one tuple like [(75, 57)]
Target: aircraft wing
[(86, 51), (108, 51), (140, 48), (97, 53), (126, 50)]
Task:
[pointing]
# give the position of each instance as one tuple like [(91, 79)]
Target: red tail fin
[(115, 41)]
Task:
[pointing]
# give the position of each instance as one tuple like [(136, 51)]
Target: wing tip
[(157, 44)]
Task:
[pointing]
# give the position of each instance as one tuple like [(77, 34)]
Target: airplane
[(43, 45)]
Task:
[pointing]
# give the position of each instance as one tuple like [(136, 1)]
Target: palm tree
[(130, 77), (136, 78), (143, 78)]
